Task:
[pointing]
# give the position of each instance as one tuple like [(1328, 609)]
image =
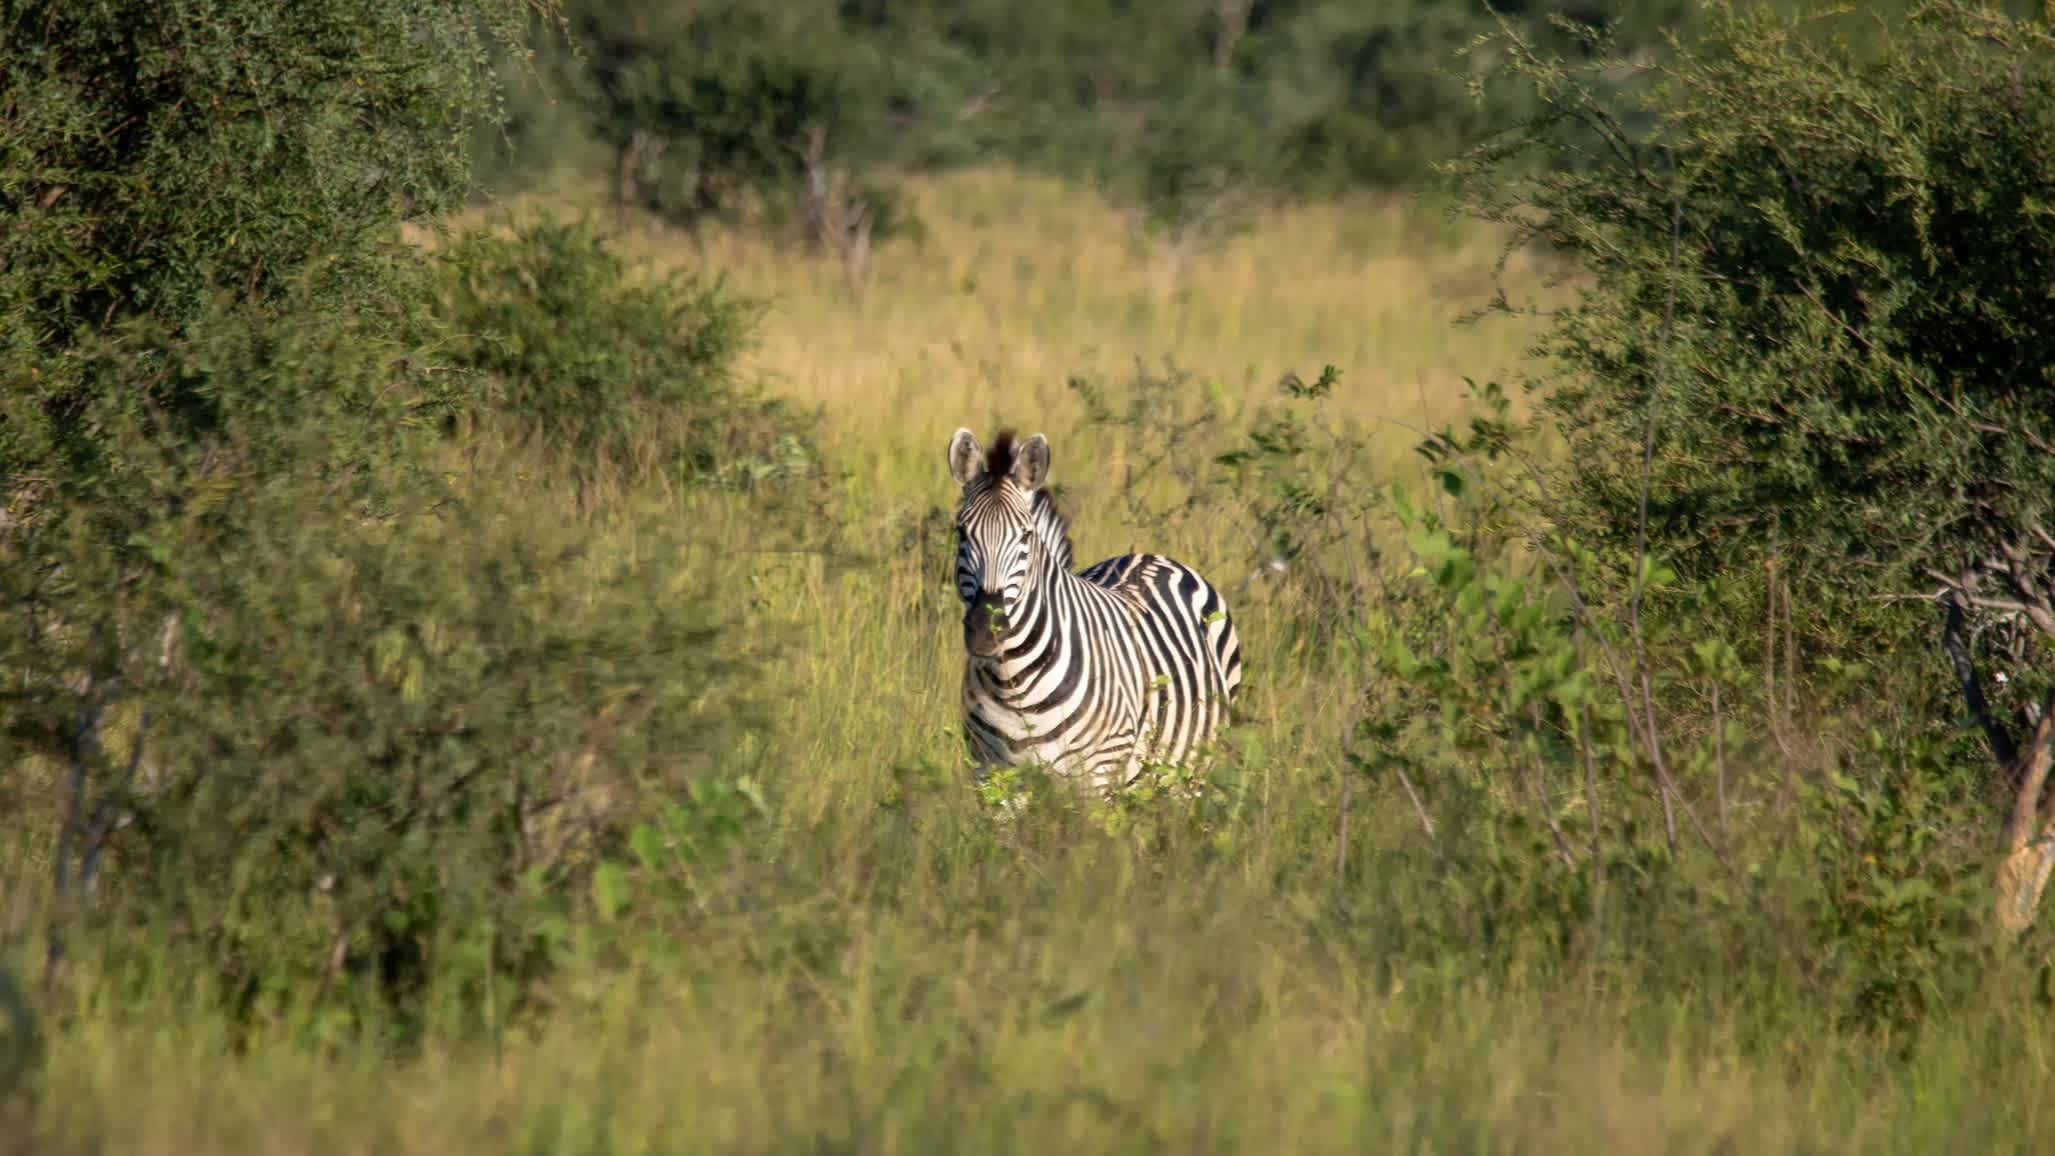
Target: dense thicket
[(305, 703), (1820, 280)]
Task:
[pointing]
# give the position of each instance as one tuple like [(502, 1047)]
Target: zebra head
[(1007, 532)]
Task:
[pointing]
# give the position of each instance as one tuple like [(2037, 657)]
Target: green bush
[(332, 717), (322, 716), (1600, 766), (615, 374), (1820, 276), (154, 155), (156, 164), (1597, 780)]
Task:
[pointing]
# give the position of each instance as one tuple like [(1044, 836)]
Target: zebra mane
[(1052, 522), (999, 459)]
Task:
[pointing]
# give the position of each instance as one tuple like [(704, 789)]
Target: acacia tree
[(1815, 335)]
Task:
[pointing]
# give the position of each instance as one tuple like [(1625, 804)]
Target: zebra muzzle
[(984, 625)]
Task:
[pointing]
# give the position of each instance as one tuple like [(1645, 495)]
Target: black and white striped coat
[(1132, 662)]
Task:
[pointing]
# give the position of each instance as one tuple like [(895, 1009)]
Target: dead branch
[(841, 223), (1955, 643)]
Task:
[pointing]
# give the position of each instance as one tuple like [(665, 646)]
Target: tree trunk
[(2030, 831), (1231, 20)]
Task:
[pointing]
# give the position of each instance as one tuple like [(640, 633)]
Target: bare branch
[(1230, 22), (1955, 643), (1534, 784), (109, 811), (1590, 786), (1419, 808), (1655, 750)]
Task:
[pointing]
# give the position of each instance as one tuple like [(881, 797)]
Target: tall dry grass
[(1018, 283)]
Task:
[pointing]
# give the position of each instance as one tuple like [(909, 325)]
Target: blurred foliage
[(1186, 109), (1182, 108)]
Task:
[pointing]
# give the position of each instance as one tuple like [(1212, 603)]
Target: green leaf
[(1430, 545), (647, 844), (610, 890), (157, 552)]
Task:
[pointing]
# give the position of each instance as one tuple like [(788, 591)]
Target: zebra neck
[(1053, 530)]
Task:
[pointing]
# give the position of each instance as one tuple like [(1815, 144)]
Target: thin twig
[(1341, 821), (1635, 721), (1555, 829), (1590, 789), (1655, 391), (1720, 762), (1419, 808), (1790, 653)]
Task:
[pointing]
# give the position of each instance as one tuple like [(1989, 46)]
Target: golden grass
[(1019, 283)]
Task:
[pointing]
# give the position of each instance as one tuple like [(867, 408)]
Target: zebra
[(1131, 662)]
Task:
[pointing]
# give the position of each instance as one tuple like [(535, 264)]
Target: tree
[(1814, 336), (192, 190)]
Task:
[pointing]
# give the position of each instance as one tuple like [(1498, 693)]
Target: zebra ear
[(965, 457), (1031, 463)]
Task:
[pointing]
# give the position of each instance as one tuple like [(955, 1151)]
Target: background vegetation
[(480, 656)]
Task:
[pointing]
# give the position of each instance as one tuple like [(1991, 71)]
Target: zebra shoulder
[(1148, 578), (1114, 573)]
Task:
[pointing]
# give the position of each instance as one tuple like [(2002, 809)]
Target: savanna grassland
[(482, 670), (879, 965), (1017, 283)]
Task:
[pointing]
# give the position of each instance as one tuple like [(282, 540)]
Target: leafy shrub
[(1597, 778), (156, 164), (490, 704), (617, 375), (355, 728), (312, 717), (1820, 276), (1594, 756)]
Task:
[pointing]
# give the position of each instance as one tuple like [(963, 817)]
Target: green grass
[(881, 965)]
